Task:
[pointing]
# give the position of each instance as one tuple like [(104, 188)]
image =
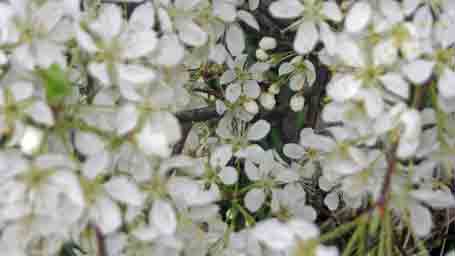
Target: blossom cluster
[(97, 149)]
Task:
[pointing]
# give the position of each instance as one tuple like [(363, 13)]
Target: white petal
[(107, 215), (331, 201), (322, 250), (235, 40), (418, 71), (47, 16), (224, 10), (343, 87), (228, 175), (134, 73), (437, 199), (31, 140), (99, 71), (127, 119), (233, 92), (392, 10), (221, 155), (218, 54), (171, 51), (41, 113), (143, 16), (358, 17), (303, 229), (446, 84), (396, 84), (96, 164), (146, 233), (349, 52), (109, 22), (251, 89), (385, 53), (228, 76), (248, 18), (253, 4), (332, 11), (48, 53), (306, 38), (258, 130), (421, 220), (311, 140), (192, 34), (294, 151), (163, 217), (186, 4), (252, 172), (412, 124), (274, 234), (21, 90), (88, 143), (254, 199), (328, 37), (286, 8), (85, 41), (123, 190), (423, 21), (139, 44)]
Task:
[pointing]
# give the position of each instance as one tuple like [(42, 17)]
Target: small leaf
[(56, 83)]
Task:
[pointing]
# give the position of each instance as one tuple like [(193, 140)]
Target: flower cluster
[(225, 127)]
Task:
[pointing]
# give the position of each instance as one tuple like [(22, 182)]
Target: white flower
[(120, 43), (309, 28), (42, 46)]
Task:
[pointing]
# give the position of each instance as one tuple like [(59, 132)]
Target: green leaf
[(56, 83)]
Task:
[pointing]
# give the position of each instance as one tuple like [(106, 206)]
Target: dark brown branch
[(197, 115)]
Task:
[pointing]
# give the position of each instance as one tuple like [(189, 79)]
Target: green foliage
[(56, 84)]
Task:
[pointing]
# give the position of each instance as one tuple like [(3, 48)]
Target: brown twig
[(383, 199), (100, 241)]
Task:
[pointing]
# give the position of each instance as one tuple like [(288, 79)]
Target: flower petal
[(358, 17), (343, 87), (286, 8), (134, 73), (306, 38), (258, 130)]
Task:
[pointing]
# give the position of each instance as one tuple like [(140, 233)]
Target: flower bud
[(274, 89), (251, 106), (267, 100), (297, 102), (267, 43), (261, 55)]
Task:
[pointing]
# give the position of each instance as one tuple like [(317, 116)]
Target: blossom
[(312, 25), (116, 43)]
